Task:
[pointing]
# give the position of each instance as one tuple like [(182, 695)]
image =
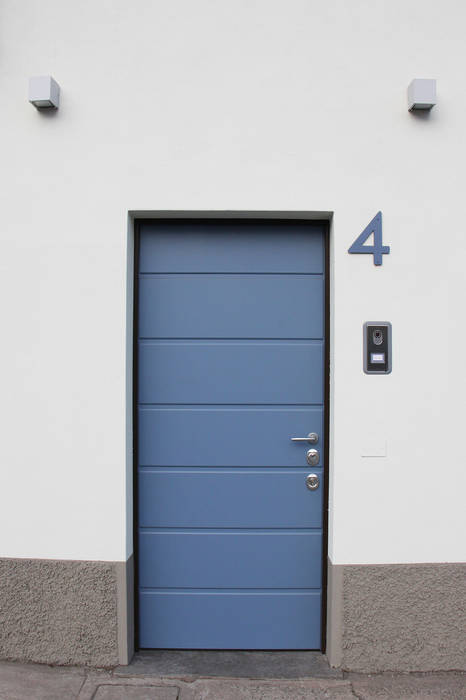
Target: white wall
[(252, 104)]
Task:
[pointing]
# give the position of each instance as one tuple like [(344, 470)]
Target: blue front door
[(231, 367)]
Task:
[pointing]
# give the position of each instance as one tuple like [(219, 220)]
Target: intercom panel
[(377, 347)]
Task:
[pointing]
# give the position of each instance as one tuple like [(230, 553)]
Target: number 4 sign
[(378, 249)]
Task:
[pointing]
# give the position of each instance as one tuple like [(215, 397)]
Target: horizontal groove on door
[(238, 342), (226, 342), (239, 406), (143, 275), (242, 340), (258, 469), (233, 530), (229, 591)]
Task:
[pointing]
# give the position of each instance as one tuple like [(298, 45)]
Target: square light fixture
[(44, 92), (422, 94)]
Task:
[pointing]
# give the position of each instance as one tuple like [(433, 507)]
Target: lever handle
[(312, 438)]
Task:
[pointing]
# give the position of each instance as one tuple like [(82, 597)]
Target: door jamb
[(136, 218)]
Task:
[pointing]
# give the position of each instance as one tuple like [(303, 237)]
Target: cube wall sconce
[(44, 92), (422, 94)]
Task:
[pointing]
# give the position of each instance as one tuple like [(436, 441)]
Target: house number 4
[(378, 249)]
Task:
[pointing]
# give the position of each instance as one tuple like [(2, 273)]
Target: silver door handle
[(312, 438)]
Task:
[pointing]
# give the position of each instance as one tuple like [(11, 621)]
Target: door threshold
[(229, 664)]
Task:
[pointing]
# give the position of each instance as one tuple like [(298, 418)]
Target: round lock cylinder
[(313, 457), (312, 482)]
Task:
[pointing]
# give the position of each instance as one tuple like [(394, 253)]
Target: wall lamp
[(422, 94), (44, 92)]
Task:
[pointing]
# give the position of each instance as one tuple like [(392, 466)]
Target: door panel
[(230, 367), (232, 436), (187, 620), (231, 306), (210, 559), (231, 247), (239, 498), (227, 372)]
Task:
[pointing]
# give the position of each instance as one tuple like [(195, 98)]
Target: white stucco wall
[(245, 105)]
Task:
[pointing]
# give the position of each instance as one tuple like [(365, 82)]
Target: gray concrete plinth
[(58, 612), (409, 686), (397, 617), (230, 664)]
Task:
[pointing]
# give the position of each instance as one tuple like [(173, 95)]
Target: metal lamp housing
[(44, 92), (422, 94)]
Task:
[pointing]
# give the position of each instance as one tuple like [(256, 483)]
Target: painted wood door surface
[(230, 367)]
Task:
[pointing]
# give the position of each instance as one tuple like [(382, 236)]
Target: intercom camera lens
[(377, 337)]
